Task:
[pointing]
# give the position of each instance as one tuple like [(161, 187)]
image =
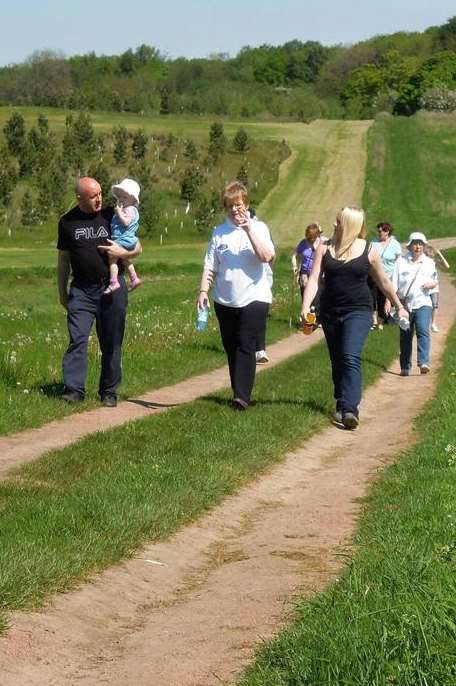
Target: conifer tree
[(164, 101), (100, 172), (139, 144), (217, 139), (84, 133), (44, 200), (242, 176), (120, 136), (241, 140), (70, 151), (28, 213), (190, 150), (27, 157), (58, 181), (204, 214), (191, 183), (14, 131), (8, 178)]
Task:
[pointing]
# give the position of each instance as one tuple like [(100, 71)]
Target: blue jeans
[(86, 305), (420, 322), (345, 336)]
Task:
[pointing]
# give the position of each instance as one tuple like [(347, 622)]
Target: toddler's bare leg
[(135, 281), (114, 284)]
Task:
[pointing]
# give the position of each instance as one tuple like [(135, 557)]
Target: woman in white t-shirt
[(414, 277), (236, 264)]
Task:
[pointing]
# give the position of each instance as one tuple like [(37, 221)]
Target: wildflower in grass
[(451, 451)]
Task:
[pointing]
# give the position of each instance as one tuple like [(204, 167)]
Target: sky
[(197, 28)]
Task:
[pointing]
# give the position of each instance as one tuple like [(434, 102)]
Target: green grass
[(161, 344), (392, 617), (42, 261), (411, 175), (78, 510)]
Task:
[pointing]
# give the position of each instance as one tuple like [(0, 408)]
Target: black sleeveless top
[(345, 284)]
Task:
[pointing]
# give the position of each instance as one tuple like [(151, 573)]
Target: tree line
[(400, 73), (177, 176)]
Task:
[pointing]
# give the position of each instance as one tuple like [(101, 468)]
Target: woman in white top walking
[(236, 264), (414, 276)]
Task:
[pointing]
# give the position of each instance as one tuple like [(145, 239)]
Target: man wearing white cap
[(84, 234), (414, 276)]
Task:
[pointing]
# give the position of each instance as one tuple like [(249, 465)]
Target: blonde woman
[(346, 261)]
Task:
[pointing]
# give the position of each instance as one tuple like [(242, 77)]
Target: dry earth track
[(189, 611)]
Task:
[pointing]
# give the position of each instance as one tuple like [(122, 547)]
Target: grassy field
[(83, 508), (411, 175), (308, 190), (391, 619), (144, 481), (161, 344)]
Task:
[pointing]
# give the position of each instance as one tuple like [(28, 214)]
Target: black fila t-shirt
[(81, 234)]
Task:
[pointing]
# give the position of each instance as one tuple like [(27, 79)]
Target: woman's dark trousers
[(239, 329)]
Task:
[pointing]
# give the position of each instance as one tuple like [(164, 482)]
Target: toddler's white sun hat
[(127, 186), (416, 236)]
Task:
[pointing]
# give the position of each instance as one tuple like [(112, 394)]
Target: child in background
[(124, 227), (440, 262)]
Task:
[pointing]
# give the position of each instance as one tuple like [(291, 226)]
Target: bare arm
[(441, 260), (377, 272), (125, 214), (63, 275), (262, 251), (295, 262), (117, 252), (312, 285), (207, 279)]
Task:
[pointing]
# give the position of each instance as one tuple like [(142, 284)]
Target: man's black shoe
[(72, 397), (109, 401)]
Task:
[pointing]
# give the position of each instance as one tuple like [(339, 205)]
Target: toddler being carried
[(124, 227)]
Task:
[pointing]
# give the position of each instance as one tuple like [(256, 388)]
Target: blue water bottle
[(201, 320)]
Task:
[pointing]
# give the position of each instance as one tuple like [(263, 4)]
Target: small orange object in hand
[(309, 323)]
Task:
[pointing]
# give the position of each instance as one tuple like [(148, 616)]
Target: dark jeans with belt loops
[(239, 329), (87, 304), (345, 336)]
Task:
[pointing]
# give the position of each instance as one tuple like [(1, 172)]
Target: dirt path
[(304, 189), (310, 186), (26, 446), (189, 611)]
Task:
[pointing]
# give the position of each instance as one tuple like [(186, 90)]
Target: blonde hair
[(353, 225)]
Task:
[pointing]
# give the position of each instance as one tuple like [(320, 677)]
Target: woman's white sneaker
[(261, 357)]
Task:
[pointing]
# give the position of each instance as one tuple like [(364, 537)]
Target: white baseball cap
[(127, 186), (416, 236)]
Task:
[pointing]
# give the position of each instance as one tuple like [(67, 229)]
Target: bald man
[(83, 240)]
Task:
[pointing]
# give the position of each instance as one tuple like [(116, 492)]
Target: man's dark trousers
[(86, 304)]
